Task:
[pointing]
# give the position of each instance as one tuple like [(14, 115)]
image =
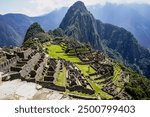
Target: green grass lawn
[(98, 90), (61, 80), (86, 69), (95, 76), (56, 51), (100, 80)]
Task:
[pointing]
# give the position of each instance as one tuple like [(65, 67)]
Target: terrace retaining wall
[(52, 86)]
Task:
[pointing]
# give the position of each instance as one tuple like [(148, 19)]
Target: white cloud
[(45, 6)]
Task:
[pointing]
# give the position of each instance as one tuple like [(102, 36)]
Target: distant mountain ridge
[(133, 17), (14, 26), (114, 41)]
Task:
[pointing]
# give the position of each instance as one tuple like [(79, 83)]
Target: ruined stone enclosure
[(70, 67)]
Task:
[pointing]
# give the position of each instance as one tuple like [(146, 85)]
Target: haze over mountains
[(133, 17), (14, 26)]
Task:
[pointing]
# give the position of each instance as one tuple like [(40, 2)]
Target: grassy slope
[(61, 80), (98, 90), (86, 69), (56, 51), (116, 76)]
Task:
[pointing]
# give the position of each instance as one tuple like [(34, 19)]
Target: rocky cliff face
[(126, 15), (116, 42), (80, 23)]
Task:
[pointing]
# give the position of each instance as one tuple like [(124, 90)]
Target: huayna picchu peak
[(83, 58), (80, 23), (78, 5), (114, 41)]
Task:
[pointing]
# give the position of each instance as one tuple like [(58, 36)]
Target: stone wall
[(51, 85), (81, 89), (82, 97), (15, 76), (40, 69), (6, 65), (30, 65), (24, 53)]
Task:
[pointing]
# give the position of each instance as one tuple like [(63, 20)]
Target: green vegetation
[(43, 37), (81, 94), (98, 90), (138, 86), (56, 51), (29, 43), (82, 49), (34, 29), (57, 32), (61, 79), (64, 76), (86, 69), (116, 74)]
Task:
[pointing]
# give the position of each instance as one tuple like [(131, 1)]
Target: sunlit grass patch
[(98, 90), (86, 69), (56, 51)]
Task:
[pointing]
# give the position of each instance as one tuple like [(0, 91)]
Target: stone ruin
[(34, 66), (7, 60), (97, 60), (29, 65), (76, 80)]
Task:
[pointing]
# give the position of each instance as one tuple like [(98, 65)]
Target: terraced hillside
[(72, 68), (85, 72)]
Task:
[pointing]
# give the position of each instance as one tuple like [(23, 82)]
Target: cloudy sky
[(39, 7)]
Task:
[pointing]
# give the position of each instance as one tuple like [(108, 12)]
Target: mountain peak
[(79, 5), (34, 29), (80, 23)]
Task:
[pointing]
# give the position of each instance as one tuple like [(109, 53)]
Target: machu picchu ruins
[(67, 66), (80, 58)]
